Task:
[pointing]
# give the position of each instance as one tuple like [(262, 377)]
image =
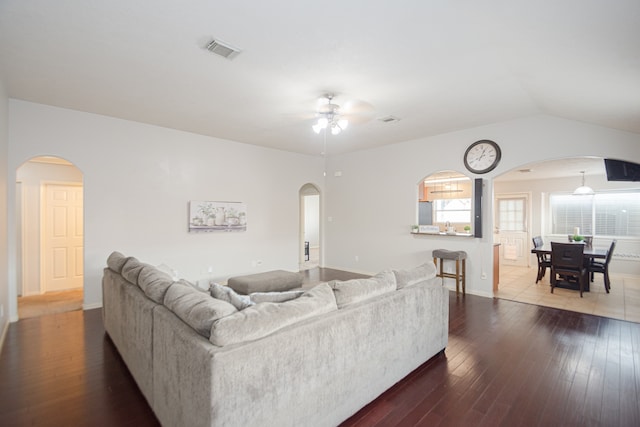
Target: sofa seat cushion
[(269, 281), (356, 290), (196, 308), (413, 276), (263, 319)]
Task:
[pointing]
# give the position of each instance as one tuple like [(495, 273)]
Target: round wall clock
[(482, 156)]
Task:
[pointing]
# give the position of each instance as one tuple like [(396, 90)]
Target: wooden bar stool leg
[(464, 276), (457, 275)]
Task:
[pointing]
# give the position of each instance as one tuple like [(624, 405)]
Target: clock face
[(482, 156)]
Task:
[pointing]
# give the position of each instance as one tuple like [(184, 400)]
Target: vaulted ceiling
[(437, 65)]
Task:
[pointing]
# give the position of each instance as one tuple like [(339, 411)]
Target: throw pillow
[(258, 297), (169, 271), (227, 294), (423, 272)]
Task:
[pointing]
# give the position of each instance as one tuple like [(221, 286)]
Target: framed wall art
[(205, 216)]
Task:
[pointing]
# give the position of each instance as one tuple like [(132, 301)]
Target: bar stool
[(452, 255)]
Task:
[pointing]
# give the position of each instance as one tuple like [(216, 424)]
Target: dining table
[(589, 253)]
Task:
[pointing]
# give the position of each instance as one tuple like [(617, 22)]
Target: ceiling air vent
[(223, 49), (389, 119)]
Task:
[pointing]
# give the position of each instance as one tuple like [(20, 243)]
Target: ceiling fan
[(331, 116)]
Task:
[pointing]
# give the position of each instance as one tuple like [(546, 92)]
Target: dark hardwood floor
[(507, 363)]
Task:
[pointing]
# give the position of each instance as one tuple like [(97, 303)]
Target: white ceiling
[(438, 65), (561, 168)]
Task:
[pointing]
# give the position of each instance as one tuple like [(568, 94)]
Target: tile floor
[(623, 301)]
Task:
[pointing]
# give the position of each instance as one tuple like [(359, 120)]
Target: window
[(604, 214), (511, 215), (452, 210)]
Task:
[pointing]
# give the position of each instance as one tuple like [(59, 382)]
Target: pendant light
[(583, 190)]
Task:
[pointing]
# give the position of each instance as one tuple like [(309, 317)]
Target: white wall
[(138, 180), (372, 222), (4, 144), (31, 176)]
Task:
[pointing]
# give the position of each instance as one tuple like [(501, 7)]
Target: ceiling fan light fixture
[(329, 116)]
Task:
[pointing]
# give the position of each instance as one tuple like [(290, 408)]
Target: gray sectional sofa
[(314, 358)]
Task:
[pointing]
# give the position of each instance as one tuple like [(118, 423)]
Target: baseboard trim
[(92, 306)]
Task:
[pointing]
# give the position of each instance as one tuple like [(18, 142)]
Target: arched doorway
[(310, 236), (49, 201)]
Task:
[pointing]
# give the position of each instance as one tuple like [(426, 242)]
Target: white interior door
[(512, 229), (63, 238)]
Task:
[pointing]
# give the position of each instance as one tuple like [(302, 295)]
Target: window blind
[(604, 214)]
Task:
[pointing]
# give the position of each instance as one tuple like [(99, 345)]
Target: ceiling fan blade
[(357, 111)]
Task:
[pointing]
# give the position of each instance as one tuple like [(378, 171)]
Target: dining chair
[(544, 261), (603, 267), (567, 260)]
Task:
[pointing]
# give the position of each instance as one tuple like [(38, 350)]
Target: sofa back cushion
[(116, 261), (413, 276), (196, 308), (131, 269), (355, 290), (263, 319), (154, 283)]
